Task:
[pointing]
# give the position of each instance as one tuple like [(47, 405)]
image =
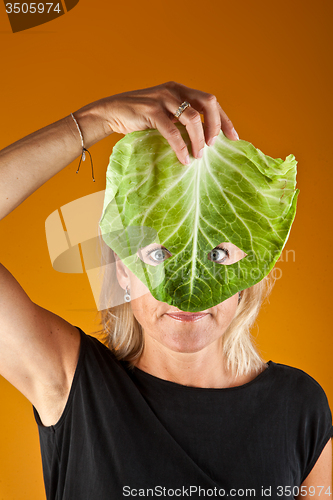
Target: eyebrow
[(151, 244)]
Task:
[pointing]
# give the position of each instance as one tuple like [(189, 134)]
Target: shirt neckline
[(142, 374)]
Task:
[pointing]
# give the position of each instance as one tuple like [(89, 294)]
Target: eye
[(226, 253), (218, 254), (154, 255), (158, 254)]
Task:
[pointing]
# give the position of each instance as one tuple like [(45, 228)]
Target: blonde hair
[(123, 334)]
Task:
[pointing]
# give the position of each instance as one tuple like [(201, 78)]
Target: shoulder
[(298, 386), (95, 343), (94, 351), (293, 376)]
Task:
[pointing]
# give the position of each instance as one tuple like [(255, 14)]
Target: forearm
[(30, 162)]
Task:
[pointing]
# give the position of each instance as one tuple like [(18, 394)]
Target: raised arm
[(28, 163), (39, 350)]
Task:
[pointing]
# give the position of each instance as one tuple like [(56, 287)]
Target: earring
[(127, 296), (239, 297)]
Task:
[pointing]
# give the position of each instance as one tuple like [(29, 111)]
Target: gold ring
[(182, 108)]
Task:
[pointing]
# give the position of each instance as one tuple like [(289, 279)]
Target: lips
[(187, 316)]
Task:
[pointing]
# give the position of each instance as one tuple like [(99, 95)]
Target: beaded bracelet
[(84, 150)]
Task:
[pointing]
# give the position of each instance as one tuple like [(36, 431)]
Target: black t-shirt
[(127, 434)]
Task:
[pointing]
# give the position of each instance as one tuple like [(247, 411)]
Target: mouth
[(186, 316)]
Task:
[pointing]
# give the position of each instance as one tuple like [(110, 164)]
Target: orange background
[(269, 64)]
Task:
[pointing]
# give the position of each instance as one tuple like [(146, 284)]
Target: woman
[(175, 421)]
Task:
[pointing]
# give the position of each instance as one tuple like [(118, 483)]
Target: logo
[(25, 15)]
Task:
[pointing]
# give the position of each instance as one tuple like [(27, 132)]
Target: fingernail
[(211, 142), (235, 134), (200, 154), (187, 160)]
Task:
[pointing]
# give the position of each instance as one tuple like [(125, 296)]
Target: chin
[(187, 345)]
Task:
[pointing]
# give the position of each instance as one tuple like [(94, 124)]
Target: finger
[(174, 138), (212, 118), (208, 105), (227, 126), (192, 120)]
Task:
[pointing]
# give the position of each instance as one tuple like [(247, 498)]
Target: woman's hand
[(155, 108)]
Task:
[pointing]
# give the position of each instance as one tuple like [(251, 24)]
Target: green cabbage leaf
[(234, 195)]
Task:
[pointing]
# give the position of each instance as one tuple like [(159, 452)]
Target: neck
[(205, 368)]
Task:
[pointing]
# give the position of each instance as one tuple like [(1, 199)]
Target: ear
[(122, 273)]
